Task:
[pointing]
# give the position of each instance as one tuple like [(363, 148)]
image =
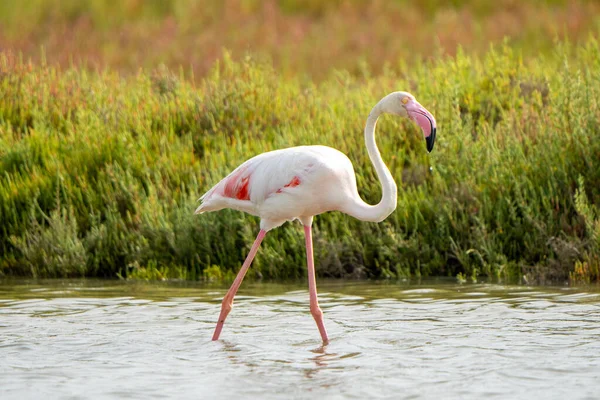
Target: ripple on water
[(429, 341)]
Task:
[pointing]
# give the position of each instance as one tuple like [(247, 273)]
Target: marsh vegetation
[(100, 169)]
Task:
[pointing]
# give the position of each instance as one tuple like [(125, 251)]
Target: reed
[(100, 173)]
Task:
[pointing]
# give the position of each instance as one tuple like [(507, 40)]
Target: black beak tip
[(430, 140)]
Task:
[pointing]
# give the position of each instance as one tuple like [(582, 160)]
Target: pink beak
[(425, 120)]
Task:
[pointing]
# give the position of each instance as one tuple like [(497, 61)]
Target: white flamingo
[(301, 182)]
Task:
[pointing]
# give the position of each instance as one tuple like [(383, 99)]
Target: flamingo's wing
[(259, 178)]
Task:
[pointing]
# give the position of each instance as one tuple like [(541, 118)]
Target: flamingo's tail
[(206, 205), (211, 202), (206, 202)]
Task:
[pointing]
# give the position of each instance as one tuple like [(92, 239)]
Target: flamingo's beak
[(425, 120), (430, 140)]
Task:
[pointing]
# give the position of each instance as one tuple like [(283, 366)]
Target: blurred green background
[(300, 36)]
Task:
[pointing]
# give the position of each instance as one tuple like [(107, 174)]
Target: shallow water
[(99, 339)]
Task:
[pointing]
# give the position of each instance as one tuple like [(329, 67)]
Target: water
[(94, 339)]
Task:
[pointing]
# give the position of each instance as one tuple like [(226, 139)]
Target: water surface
[(106, 339)]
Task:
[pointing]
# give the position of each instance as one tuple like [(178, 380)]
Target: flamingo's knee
[(316, 313), (226, 306)]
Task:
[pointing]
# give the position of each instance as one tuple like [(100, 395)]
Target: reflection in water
[(90, 339), (320, 360)]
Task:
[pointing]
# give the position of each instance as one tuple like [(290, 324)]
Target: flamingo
[(304, 181)]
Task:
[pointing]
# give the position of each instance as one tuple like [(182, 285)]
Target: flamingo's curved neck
[(377, 213)]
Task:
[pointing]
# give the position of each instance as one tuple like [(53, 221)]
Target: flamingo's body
[(301, 182), (287, 184)]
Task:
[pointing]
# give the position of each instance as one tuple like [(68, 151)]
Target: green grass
[(100, 173)]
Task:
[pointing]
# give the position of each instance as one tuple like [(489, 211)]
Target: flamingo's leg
[(315, 310), (227, 303)]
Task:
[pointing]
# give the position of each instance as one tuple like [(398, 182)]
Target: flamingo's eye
[(404, 100)]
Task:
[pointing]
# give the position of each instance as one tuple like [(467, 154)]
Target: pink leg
[(227, 303), (315, 310)]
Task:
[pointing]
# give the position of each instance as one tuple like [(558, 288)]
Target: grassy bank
[(99, 174), (300, 36)]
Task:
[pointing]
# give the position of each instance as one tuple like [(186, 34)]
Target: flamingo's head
[(405, 105)]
